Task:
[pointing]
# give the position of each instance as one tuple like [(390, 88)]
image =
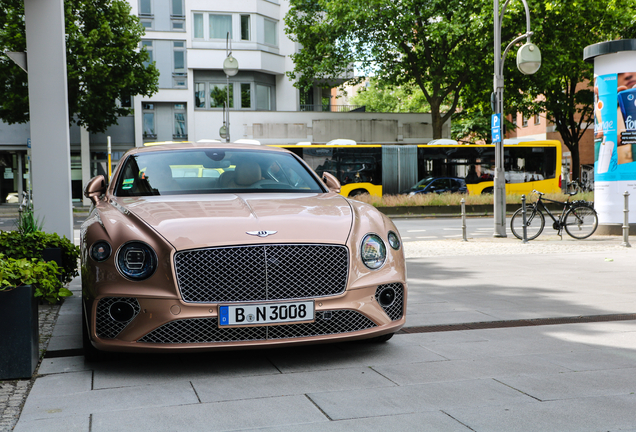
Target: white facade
[(187, 40)]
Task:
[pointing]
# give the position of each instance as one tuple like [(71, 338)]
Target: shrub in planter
[(43, 276), (17, 245), (22, 281)]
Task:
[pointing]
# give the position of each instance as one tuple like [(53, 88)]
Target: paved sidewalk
[(563, 377)]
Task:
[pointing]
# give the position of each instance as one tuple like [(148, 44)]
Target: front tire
[(581, 222), (535, 222)]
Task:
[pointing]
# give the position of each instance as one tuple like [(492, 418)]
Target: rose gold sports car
[(204, 246)]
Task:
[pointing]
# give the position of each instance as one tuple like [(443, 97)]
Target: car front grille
[(107, 327), (206, 330), (264, 272)]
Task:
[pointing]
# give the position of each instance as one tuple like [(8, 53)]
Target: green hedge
[(16, 245)]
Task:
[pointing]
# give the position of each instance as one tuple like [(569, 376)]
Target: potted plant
[(22, 282)]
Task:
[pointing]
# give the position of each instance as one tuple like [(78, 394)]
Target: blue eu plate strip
[(224, 315)]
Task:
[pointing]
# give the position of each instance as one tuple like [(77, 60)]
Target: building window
[(145, 14), (218, 95), (524, 121), (537, 119), (125, 101), (263, 102), (179, 66), (198, 26), (149, 121), (145, 7), (246, 95), (270, 33), (180, 131), (245, 27), (220, 26), (199, 95), (147, 45), (177, 18)]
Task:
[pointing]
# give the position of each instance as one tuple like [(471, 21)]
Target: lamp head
[(230, 66), (528, 58)]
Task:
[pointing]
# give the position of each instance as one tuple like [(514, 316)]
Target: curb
[(452, 211)]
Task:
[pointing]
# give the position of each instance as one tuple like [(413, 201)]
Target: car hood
[(192, 221)]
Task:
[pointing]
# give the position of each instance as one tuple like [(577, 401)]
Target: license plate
[(269, 313)]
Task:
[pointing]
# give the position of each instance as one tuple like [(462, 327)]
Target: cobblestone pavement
[(14, 393)]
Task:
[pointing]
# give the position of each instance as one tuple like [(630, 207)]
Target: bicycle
[(578, 218)]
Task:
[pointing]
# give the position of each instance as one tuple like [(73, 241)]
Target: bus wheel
[(487, 190), (356, 192)]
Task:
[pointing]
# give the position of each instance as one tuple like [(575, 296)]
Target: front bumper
[(168, 324)]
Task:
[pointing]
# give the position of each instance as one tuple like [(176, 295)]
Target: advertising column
[(614, 131)]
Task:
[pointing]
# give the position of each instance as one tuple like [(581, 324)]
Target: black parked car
[(438, 185)]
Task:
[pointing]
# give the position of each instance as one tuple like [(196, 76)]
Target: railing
[(333, 108)]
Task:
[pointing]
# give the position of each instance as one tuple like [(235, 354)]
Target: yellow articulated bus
[(393, 169)]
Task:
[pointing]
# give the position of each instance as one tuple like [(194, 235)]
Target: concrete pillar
[(48, 107)]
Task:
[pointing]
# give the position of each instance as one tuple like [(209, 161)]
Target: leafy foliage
[(561, 88), (104, 64), (437, 45), (27, 223), (380, 97), (15, 273), (16, 245)]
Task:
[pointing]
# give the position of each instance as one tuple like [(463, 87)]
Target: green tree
[(562, 88), (437, 45), (104, 63), (380, 97)]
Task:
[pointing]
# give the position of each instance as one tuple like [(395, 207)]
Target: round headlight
[(136, 260), (100, 251), (373, 251), (394, 240)]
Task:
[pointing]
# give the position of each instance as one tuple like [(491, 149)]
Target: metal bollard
[(626, 222), (523, 213), (463, 201)]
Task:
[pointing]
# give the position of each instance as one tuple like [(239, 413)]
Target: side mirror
[(95, 188), (331, 181)]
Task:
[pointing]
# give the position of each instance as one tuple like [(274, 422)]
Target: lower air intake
[(206, 330)]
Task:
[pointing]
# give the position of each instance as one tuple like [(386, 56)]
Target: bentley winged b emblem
[(261, 233)]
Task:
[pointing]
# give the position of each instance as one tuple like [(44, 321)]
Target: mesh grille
[(107, 327), (396, 309), (204, 330), (257, 273), (340, 321)]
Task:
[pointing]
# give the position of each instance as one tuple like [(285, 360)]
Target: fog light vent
[(114, 314), (391, 298)]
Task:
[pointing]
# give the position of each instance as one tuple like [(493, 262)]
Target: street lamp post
[(230, 67), (528, 62)]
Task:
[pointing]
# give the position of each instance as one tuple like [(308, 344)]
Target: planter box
[(19, 343)]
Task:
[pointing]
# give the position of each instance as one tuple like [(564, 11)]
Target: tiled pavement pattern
[(569, 377)]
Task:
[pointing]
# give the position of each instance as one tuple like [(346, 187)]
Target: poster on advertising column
[(614, 142)]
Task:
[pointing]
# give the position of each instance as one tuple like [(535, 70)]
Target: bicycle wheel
[(581, 222), (535, 221)]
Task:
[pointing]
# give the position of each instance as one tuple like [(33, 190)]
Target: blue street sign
[(495, 127)]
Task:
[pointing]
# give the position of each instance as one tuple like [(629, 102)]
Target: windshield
[(423, 183), (202, 171)]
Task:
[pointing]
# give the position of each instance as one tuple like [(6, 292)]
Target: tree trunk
[(436, 119)]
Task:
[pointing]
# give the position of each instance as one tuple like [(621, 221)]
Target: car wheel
[(487, 190)]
